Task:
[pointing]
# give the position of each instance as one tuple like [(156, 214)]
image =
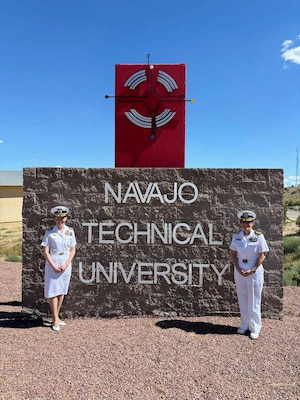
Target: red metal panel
[(150, 115)]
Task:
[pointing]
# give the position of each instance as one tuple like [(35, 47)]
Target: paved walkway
[(293, 214)]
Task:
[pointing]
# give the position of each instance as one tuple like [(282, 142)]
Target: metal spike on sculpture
[(150, 115)]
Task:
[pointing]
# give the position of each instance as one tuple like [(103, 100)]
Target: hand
[(246, 272), (62, 267), (56, 269)]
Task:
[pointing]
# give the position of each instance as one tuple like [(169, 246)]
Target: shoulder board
[(258, 232)]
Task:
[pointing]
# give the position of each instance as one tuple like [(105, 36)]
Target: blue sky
[(57, 62)]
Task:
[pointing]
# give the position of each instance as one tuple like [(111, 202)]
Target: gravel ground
[(145, 358)]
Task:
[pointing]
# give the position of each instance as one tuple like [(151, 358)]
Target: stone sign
[(152, 241)]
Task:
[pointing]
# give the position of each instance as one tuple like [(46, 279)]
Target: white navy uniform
[(249, 288), (59, 243)]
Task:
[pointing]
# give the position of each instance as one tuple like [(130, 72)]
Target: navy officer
[(59, 250), (248, 251)]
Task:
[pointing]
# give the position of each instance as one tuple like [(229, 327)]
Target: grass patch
[(291, 264), (13, 253), (13, 258)]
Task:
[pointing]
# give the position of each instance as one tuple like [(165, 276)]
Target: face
[(60, 221), (247, 227)]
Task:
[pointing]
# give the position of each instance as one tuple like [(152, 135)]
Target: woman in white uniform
[(248, 250), (59, 250)]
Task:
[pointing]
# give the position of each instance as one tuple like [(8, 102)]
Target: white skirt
[(56, 283)]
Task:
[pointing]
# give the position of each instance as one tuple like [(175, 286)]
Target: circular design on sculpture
[(163, 118)]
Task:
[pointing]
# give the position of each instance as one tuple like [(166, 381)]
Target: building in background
[(11, 196)]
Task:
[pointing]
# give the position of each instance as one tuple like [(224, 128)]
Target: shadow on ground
[(200, 328), (19, 320)]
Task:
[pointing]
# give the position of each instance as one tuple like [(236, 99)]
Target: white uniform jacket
[(248, 247)]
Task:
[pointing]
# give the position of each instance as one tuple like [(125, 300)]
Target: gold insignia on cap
[(246, 216), (59, 211)]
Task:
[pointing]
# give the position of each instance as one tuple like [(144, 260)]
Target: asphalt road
[(292, 214)]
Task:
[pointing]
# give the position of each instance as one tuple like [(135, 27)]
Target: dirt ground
[(144, 358)]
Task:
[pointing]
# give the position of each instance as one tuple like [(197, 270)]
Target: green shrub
[(291, 271), (292, 203), (13, 258), (291, 244), (291, 275)]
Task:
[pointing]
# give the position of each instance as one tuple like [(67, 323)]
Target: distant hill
[(292, 194)]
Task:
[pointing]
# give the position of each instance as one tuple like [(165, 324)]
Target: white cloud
[(291, 51), (1, 141), (286, 44), (291, 181), (292, 55)]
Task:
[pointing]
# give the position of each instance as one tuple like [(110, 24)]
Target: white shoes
[(254, 336), (55, 328), (242, 331)]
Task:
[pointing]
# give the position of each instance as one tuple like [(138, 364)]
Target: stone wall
[(152, 241)]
